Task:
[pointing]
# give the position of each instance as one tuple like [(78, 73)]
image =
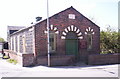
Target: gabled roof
[(66, 10), (83, 16), (53, 16)]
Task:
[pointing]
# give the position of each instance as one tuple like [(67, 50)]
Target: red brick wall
[(104, 59), (28, 59), (56, 60), (22, 59), (61, 21), (11, 54)]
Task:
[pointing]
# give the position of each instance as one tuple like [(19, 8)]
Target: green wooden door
[(72, 47), (71, 44)]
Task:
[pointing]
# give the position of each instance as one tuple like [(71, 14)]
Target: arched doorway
[(71, 43)]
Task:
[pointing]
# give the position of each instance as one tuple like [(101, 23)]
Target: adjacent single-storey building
[(73, 37)]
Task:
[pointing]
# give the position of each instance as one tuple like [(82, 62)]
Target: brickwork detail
[(89, 30), (53, 28), (73, 29)]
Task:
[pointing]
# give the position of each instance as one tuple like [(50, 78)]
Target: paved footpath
[(11, 70)]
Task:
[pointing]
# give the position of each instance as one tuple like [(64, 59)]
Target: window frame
[(89, 43), (54, 42)]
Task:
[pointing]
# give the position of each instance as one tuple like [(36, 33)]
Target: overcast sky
[(23, 12)]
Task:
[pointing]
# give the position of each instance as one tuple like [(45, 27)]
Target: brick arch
[(89, 30), (73, 29), (53, 28)]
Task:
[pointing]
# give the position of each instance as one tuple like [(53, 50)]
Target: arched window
[(52, 39), (89, 41), (89, 33)]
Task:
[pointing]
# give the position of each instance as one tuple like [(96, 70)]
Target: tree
[(2, 40), (109, 42)]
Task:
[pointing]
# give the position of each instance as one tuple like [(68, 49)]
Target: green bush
[(15, 62), (109, 41), (2, 40)]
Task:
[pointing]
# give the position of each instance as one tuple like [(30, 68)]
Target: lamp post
[(48, 41)]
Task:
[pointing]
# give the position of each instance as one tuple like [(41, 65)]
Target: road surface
[(11, 70)]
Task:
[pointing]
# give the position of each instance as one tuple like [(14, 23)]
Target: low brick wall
[(56, 60), (11, 54), (104, 59), (22, 59), (28, 59)]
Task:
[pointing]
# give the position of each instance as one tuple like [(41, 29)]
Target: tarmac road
[(11, 70)]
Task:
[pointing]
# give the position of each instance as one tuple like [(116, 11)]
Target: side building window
[(12, 43), (18, 44), (24, 43)]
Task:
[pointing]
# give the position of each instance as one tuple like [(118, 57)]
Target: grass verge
[(12, 61)]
